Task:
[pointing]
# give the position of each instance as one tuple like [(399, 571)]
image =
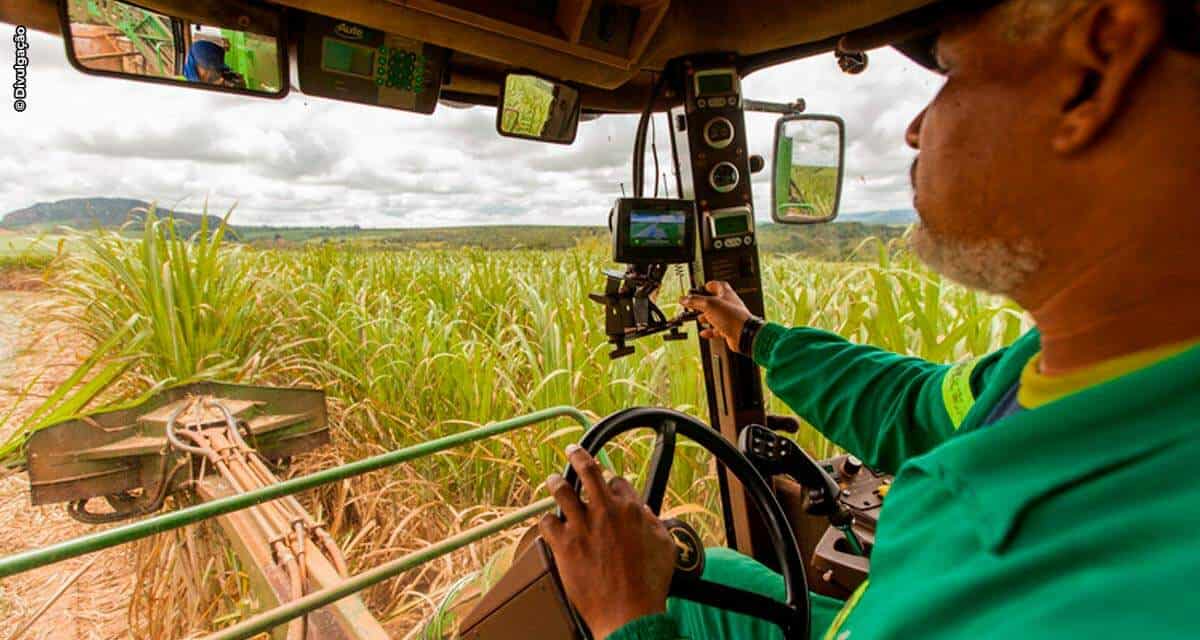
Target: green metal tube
[(82, 545), (317, 599)]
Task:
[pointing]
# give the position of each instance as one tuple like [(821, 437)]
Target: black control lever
[(783, 424), (774, 455)]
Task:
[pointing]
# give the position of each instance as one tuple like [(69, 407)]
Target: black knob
[(757, 163), (851, 466), (782, 424), (851, 62)]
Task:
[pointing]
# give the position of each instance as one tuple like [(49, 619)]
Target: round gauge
[(718, 133), (724, 177)]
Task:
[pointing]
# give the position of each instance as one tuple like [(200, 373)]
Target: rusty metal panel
[(126, 450)]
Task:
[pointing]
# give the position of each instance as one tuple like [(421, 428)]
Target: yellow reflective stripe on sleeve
[(956, 391), (851, 602)]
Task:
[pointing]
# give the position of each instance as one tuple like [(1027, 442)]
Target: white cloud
[(312, 161)]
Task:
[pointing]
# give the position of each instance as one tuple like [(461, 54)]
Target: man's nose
[(913, 135)]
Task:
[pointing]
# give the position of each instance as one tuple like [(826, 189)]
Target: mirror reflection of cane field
[(415, 344), (812, 191), (527, 101)]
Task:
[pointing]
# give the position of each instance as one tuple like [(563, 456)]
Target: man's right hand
[(723, 312)]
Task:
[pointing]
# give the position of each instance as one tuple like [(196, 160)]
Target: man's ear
[(1107, 42)]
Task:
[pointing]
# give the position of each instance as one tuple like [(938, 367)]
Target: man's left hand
[(614, 556)]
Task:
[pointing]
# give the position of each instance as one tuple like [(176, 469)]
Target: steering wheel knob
[(689, 548)]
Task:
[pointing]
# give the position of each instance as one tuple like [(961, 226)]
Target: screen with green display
[(344, 57), (657, 228), (731, 225), (717, 83)]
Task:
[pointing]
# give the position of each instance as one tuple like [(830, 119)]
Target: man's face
[(209, 75), (980, 180)]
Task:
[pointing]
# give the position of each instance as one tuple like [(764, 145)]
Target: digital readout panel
[(343, 57), (731, 225), (714, 84)]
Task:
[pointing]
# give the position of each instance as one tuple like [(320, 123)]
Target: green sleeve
[(883, 407), (659, 626)]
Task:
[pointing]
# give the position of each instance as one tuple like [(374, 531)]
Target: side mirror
[(536, 108), (806, 187), (229, 47)]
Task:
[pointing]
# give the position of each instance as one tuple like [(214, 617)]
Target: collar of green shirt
[(1006, 468)]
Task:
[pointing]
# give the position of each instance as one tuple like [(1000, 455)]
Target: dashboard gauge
[(724, 177), (718, 133)]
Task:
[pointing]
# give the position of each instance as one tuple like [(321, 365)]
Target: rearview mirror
[(807, 180), (536, 108), (231, 47)]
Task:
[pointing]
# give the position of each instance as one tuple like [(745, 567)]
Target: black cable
[(639, 140), (654, 151), (78, 509)]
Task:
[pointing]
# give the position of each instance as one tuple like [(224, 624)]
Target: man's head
[(1067, 132), (205, 62)]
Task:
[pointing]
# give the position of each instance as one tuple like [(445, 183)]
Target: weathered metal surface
[(83, 545), (375, 575), (121, 451)]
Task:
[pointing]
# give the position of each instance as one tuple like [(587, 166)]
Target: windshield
[(313, 162)]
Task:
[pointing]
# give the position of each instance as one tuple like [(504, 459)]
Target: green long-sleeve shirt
[(1077, 519)]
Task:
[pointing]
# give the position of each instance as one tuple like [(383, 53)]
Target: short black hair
[(1183, 24)]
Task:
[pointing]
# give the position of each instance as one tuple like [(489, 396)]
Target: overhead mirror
[(536, 108), (807, 180), (231, 47)]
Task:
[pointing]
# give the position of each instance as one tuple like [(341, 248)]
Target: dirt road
[(95, 606)]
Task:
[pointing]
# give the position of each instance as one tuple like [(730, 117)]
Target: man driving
[(1041, 491), (205, 63)]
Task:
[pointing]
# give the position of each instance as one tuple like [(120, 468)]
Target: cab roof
[(611, 49)]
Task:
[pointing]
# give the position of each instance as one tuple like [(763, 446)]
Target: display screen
[(731, 225), (714, 84), (344, 57), (657, 228)]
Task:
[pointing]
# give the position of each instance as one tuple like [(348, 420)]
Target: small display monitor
[(716, 82), (654, 231), (343, 57), (731, 225)]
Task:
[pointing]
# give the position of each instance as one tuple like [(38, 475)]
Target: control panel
[(708, 135), (732, 227), (347, 61), (838, 564)]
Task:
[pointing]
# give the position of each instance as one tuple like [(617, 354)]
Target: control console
[(348, 61), (833, 504)]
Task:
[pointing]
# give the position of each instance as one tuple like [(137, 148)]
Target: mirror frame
[(500, 107), (64, 23), (837, 203)]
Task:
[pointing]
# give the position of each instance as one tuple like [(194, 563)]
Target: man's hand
[(723, 311), (614, 556)]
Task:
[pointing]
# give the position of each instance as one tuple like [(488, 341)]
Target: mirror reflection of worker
[(206, 64), (1044, 491)]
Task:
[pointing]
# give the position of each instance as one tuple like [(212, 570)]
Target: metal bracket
[(782, 108)]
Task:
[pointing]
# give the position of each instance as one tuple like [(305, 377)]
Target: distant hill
[(89, 213), (890, 216), (829, 241)]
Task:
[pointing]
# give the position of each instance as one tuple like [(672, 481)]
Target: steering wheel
[(793, 615)]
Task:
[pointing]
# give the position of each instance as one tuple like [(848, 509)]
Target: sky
[(312, 161)]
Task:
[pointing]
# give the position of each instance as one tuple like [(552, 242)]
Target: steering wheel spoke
[(715, 594), (660, 466)]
